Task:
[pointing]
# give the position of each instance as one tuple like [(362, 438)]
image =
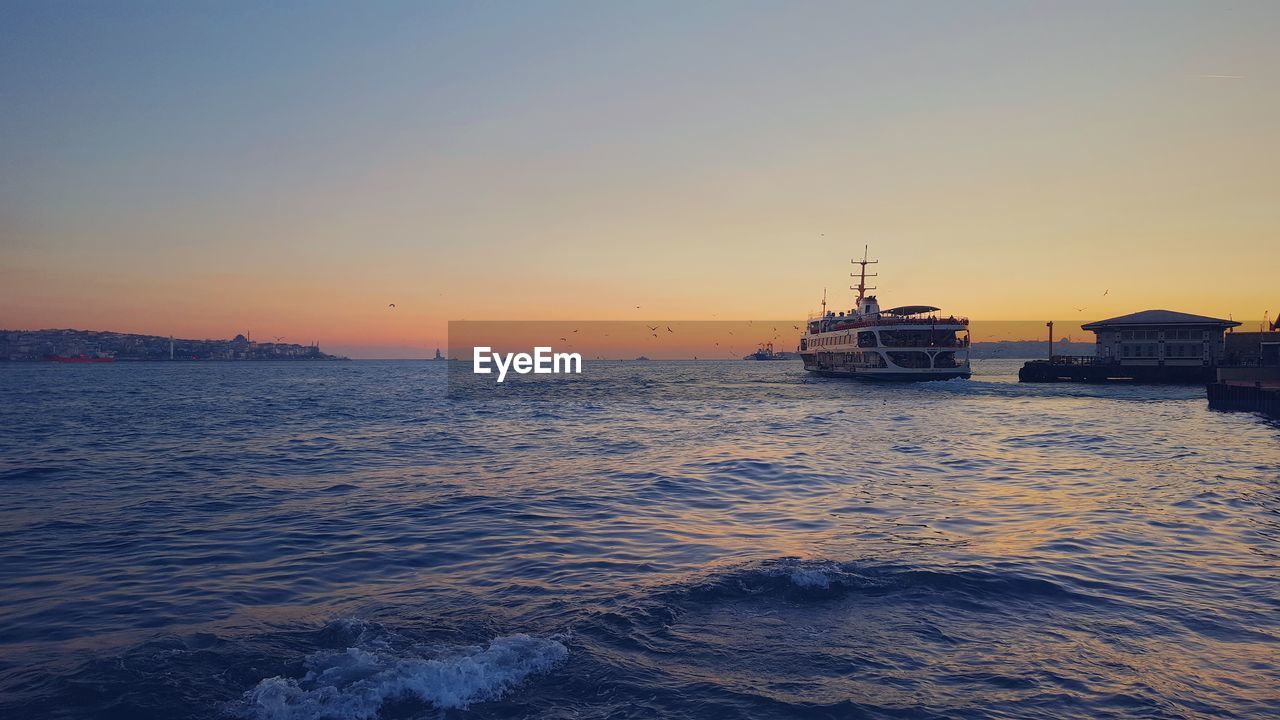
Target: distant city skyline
[(294, 169)]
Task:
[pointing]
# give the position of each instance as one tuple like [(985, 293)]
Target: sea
[(350, 540)]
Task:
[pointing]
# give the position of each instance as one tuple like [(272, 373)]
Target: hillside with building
[(98, 346)]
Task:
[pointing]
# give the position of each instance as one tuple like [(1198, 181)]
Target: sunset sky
[(202, 169)]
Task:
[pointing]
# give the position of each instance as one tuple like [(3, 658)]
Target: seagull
[(391, 305), (652, 327), (575, 330), (1104, 293), (1081, 309), (795, 327), (565, 339), (669, 329), (655, 334)]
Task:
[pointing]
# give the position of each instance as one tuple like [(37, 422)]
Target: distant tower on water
[(170, 347)]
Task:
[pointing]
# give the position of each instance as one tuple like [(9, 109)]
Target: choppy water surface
[(341, 540)]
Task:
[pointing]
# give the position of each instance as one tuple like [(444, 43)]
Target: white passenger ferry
[(912, 342)]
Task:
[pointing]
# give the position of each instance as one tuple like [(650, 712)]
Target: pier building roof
[(1158, 317)]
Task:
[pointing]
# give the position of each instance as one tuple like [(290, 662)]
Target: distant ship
[(438, 355), (80, 358), (912, 342), (766, 353)]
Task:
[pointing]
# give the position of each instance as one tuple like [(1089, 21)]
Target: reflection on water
[(342, 540)]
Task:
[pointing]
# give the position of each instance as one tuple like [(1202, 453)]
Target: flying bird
[(652, 327), (565, 339), (669, 329), (1081, 309), (1104, 292), (391, 305)]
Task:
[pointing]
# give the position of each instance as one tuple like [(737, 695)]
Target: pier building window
[(1135, 350), (1183, 350)]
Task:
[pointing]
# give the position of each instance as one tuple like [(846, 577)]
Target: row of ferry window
[(871, 359), (897, 338), (1168, 335)]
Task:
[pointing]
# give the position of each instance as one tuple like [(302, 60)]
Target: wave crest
[(356, 682)]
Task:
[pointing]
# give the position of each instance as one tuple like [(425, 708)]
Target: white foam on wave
[(810, 578), (355, 683)]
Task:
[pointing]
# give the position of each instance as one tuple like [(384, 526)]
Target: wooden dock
[(1091, 370), (1242, 397)]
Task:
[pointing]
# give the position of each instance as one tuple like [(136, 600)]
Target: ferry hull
[(824, 365), (891, 376)]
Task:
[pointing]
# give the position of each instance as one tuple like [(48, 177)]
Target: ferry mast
[(862, 275)]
